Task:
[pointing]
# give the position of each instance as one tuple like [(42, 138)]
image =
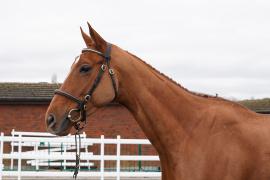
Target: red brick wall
[(109, 121), (22, 118), (112, 121)]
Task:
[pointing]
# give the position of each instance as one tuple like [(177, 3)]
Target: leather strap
[(111, 72), (67, 95), (82, 103)]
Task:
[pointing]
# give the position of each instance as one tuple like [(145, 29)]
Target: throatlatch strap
[(108, 53), (111, 72), (114, 86)]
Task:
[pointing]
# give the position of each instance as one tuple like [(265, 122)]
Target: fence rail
[(51, 151)]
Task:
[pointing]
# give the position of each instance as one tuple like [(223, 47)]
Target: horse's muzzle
[(61, 128)]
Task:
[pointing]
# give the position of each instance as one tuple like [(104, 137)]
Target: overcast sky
[(209, 46)]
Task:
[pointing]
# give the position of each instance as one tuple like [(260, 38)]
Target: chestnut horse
[(197, 137)]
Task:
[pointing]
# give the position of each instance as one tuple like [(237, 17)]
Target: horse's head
[(91, 83)]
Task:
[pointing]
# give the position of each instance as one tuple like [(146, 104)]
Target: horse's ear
[(87, 39), (100, 43)]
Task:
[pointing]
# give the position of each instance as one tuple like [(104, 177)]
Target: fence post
[(65, 150), (1, 154), (61, 162), (49, 149), (20, 157), (140, 153), (118, 153), (86, 150), (12, 148), (36, 151), (102, 158)]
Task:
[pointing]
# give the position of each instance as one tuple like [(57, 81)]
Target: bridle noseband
[(81, 108)]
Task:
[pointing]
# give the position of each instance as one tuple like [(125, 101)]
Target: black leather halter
[(81, 108)]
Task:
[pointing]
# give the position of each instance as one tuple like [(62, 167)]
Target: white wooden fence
[(38, 158), (46, 148)]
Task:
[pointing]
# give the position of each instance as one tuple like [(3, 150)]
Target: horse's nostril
[(51, 121)]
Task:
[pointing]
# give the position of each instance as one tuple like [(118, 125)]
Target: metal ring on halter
[(87, 97), (70, 117), (111, 71), (103, 67)]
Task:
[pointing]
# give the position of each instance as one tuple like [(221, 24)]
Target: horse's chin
[(63, 129), (65, 133)]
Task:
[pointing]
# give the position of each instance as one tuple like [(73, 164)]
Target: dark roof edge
[(33, 100), (25, 103), (24, 100)]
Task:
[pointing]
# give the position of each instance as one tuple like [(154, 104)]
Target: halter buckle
[(87, 97), (111, 71), (103, 67)]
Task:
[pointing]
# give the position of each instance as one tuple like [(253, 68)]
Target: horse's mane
[(171, 80), (179, 85)]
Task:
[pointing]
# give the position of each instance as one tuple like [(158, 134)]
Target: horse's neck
[(164, 110)]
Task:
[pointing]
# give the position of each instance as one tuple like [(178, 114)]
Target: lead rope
[(78, 128), (78, 151)]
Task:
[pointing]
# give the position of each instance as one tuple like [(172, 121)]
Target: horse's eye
[(85, 69)]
